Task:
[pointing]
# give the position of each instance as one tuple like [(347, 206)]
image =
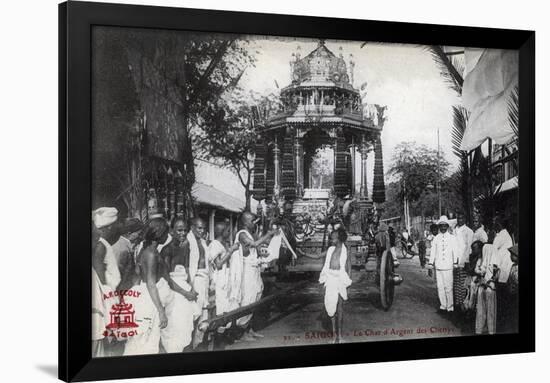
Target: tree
[(452, 69), (177, 79), (463, 183), (415, 169), (117, 127), (230, 137)]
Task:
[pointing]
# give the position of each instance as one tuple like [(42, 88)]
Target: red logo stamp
[(122, 316), (122, 320)]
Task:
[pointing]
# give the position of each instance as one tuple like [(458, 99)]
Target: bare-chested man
[(335, 276), (183, 308), (130, 233), (154, 291), (252, 284), (180, 229)]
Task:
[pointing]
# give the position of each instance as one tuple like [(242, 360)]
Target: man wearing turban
[(105, 272)]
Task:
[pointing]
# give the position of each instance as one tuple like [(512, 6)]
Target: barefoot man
[(252, 284), (335, 276)]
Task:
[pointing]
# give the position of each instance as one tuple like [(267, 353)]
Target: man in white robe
[(335, 276), (252, 284), (443, 258), (502, 242), (465, 238), (105, 273)]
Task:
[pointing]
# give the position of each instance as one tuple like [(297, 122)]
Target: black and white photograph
[(260, 191)]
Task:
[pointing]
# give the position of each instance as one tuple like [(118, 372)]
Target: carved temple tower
[(320, 108)]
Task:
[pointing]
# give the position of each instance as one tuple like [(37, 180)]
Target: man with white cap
[(444, 257), (105, 273), (104, 220)]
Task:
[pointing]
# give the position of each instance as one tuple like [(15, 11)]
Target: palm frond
[(513, 111), (463, 179), (460, 119), (450, 68)]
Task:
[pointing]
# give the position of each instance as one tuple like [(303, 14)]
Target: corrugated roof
[(209, 195)]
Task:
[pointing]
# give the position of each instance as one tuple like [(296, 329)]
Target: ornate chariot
[(320, 109)]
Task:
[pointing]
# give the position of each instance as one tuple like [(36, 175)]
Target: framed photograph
[(246, 191)]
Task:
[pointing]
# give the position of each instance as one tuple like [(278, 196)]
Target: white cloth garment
[(444, 280), (490, 78), (481, 235), (503, 241), (287, 244), (166, 243), (194, 254), (201, 283), (252, 285), (216, 249), (112, 273), (180, 312), (336, 281), (444, 251), (465, 238), (147, 317), (273, 248), (486, 296), (236, 266), (100, 315), (487, 262), (444, 255)]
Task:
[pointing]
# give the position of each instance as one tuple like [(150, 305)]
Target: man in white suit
[(444, 257)]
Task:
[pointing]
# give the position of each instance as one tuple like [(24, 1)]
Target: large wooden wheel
[(387, 286)]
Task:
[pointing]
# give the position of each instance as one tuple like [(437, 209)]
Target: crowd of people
[(476, 272), (156, 284)]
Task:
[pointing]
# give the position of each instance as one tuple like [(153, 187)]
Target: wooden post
[(352, 153), (231, 227), (298, 165), (364, 153), (276, 161), (211, 220)]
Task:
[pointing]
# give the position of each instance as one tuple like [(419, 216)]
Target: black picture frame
[(75, 22)]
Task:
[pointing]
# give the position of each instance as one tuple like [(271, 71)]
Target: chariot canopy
[(320, 108)]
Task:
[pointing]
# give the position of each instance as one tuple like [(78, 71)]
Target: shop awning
[(211, 196)]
